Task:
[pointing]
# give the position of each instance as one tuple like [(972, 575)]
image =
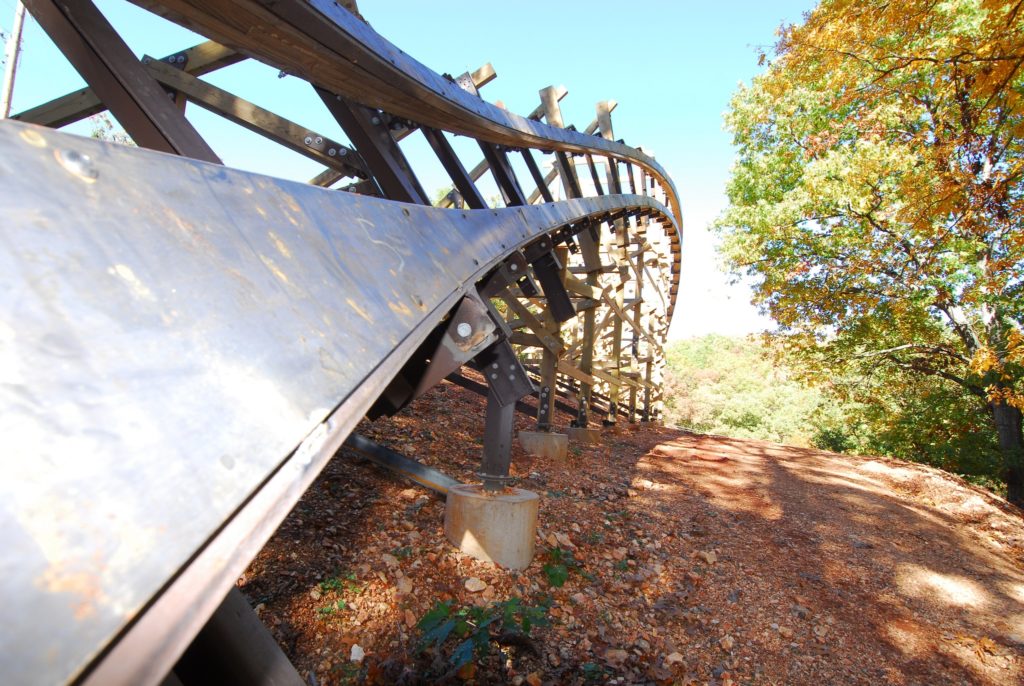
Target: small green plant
[(622, 565), (562, 562), (343, 582), (330, 609), (593, 672), (403, 552), (472, 627)]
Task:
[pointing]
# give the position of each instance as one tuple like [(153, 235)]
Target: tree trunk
[(1011, 444)]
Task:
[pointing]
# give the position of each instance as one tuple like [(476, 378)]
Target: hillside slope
[(690, 559)]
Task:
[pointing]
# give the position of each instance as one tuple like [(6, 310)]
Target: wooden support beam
[(308, 143), (67, 109), (532, 322), (110, 68), (481, 168), (368, 131), (504, 175), (453, 165)]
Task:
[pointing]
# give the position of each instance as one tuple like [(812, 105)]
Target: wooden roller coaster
[(183, 346)]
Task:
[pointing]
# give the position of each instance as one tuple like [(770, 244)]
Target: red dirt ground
[(700, 559)]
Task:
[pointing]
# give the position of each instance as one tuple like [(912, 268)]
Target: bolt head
[(494, 365), (77, 163), (464, 329), (308, 140)]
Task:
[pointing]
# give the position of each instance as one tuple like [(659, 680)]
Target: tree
[(877, 198), (730, 386), (104, 129)]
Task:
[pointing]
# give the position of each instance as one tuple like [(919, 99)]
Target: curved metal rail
[(184, 346)]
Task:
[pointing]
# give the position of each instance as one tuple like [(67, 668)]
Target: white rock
[(474, 585), (357, 654)]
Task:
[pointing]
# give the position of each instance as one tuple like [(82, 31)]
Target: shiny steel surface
[(170, 332)]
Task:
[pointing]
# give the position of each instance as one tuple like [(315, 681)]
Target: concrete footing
[(545, 444), (496, 527), (587, 436)]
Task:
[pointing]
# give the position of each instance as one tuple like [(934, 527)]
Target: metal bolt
[(494, 376), (344, 151), (513, 267), (332, 152), (512, 367), (464, 329), (511, 377), (308, 140), (319, 140), (181, 59), (375, 121), (494, 366), (78, 164)]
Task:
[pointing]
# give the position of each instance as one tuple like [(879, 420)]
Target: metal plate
[(170, 331)]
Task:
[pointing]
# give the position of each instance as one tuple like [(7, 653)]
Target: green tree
[(104, 129), (877, 199), (731, 386)]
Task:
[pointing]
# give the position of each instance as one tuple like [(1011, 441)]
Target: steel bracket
[(178, 60), (505, 374), (470, 330), (548, 269), (512, 271)]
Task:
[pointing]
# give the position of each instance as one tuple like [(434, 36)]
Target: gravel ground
[(685, 559)]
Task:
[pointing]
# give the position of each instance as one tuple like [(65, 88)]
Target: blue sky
[(671, 66)]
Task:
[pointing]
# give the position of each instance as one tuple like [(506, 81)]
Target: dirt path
[(872, 571), (694, 559)]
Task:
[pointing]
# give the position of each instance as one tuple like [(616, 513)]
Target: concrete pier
[(586, 436), (545, 444), (497, 527)]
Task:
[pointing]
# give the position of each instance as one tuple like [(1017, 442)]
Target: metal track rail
[(184, 346)]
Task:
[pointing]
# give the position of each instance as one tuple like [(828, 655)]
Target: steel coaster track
[(185, 346)]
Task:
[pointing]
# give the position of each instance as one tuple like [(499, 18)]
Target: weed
[(563, 562), (403, 552), (592, 672), (471, 627), (341, 583), (330, 609)]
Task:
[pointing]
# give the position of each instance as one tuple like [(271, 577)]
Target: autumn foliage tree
[(877, 198)]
